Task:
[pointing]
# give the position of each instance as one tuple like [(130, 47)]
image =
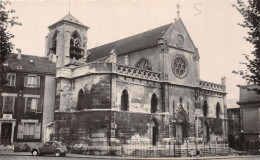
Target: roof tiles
[(31, 64), (129, 44)]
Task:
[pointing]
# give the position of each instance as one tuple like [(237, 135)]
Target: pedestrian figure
[(197, 152)]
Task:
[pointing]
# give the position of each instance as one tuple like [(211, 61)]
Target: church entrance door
[(6, 133), (154, 135), (179, 132)]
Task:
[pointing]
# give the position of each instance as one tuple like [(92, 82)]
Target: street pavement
[(28, 156)]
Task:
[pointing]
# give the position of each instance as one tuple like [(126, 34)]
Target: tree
[(251, 14), (6, 46)]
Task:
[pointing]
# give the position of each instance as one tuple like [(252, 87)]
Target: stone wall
[(96, 92), (85, 127), (140, 93), (137, 126)]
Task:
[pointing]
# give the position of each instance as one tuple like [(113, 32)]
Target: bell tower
[(66, 41)]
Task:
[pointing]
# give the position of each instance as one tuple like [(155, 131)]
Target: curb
[(143, 158)]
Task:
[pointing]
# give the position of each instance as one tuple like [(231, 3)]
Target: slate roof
[(69, 18), (40, 65), (129, 44)]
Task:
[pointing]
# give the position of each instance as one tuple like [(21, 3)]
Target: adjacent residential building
[(144, 88), (26, 102), (249, 103), (234, 128)]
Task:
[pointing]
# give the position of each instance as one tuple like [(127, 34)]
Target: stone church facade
[(146, 87)]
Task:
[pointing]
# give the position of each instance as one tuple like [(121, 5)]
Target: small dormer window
[(19, 67), (76, 50)]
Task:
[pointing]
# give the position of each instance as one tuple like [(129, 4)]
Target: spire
[(69, 6), (178, 11)]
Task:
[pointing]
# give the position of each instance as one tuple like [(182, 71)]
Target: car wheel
[(34, 152), (57, 154)]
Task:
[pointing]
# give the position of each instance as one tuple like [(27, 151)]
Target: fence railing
[(146, 149)]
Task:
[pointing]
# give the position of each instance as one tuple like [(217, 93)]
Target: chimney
[(126, 60), (112, 56), (223, 81), (19, 53)]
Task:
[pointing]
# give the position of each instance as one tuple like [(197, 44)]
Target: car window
[(54, 144), (46, 144)]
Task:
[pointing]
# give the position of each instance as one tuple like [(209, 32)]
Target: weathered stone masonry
[(144, 88)]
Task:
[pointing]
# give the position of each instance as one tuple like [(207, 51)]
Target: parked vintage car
[(52, 147)]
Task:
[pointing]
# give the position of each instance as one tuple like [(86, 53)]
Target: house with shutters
[(27, 99)]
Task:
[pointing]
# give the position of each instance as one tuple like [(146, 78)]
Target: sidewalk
[(128, 158)]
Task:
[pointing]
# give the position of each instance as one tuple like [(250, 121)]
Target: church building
[(144, 88)]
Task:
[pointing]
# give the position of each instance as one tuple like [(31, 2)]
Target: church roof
[(129, 44), (71, 19), (31, 64)]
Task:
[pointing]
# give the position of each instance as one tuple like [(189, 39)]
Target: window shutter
[(25, 81), (28, 103), (14, 79), (38, 82), (37, 134), (11, 104), (20, 131), (5, 99), (8, 77), (32, 131), (39, 106)]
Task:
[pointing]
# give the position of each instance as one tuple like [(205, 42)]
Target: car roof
[(54, 142)]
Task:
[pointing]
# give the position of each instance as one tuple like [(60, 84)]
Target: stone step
[(6, 149)]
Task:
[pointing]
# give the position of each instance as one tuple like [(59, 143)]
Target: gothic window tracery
[(179, 66), (143, 63), (54, 42), (76, 50)]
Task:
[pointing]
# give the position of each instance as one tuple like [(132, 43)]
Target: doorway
[(206, 132), (154, 130), (6, 133), (179, 133)]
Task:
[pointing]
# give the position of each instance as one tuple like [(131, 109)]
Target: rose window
[(179, 66)]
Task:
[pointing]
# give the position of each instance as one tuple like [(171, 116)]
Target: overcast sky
[(213, 29)]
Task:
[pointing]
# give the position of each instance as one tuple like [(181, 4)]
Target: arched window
[(205, 109), (218, 111), (75, 40), (154, 102), (80, 105), (76, 50), (143, 63), (54, 42), (124, 101)]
